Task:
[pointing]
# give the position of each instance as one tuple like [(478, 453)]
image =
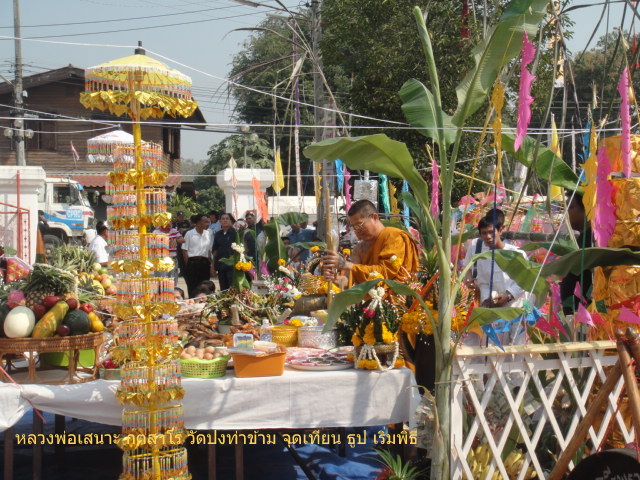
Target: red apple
[(72, 302), (63, 330), (39, 310), (50, 300)]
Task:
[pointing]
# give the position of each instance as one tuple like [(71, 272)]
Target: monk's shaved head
[(363, 207)]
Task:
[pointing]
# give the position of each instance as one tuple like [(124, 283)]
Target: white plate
[(322, 368)]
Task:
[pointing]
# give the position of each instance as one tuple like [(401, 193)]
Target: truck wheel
[(51, 242)]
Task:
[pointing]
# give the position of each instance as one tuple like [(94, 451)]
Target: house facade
[(52, 107)]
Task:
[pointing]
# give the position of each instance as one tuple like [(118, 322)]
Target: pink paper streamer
[(583, 316), (525, 98), (577, 291), (625, 120), (264, 269), (435, 190), (546, 327), (604, 219), (555, 321), (347, 188), (628, 316)]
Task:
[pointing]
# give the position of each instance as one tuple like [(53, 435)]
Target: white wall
[(31, 179)]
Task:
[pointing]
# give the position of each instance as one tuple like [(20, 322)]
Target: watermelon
[(78, 322), (4, 311)]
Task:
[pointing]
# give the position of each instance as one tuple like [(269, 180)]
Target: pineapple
[(44, 281)]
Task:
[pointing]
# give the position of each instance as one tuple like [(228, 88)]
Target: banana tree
[(423, 109)]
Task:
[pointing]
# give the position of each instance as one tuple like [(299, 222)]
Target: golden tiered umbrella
[(141, 87)]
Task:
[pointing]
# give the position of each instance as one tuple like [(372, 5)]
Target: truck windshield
[(67, 194)]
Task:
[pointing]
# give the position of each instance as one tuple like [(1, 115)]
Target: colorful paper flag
[(405, 209), (590, 174), (384, 193), (628, 316), (583, 316), (554, 191), (278, 181), (339, 174), (347, 189), (525, 98), (604, 220), (435, 190)]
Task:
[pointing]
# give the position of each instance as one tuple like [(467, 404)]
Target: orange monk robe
[(390, 242)]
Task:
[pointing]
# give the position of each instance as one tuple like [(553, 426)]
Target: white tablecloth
[(295, 400)]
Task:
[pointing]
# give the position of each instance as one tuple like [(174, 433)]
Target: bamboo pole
[(580, 434)]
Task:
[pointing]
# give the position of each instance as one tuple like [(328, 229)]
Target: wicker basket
[(285, 335), (53, 344), (71, 345), (196, 368), (384, 351)]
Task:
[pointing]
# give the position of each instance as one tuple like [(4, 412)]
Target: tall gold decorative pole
[(150, 390)]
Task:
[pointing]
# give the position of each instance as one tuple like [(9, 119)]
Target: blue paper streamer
[(405, 209), (339, 174), (384, 193)]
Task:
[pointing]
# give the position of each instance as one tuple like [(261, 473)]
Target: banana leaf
[(356, 294), (548, 165), (484, 316), (291, 218), (521, 271), (427, 238), (274, 248), (377, 153), (419, 109), (503, 43), (593, 257), (559, 247)]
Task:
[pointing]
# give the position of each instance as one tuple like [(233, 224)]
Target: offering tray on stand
[(12, 350)]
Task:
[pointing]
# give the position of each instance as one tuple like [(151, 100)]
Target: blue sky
[(197, 33)]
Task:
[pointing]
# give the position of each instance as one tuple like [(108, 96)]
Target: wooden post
[(629, 379), (562, 464)]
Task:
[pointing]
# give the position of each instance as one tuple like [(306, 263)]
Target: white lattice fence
[(530, 395)]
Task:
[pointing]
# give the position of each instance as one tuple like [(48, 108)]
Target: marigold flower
[(399, 363), (296, 322), (238, 266), (282, 262), (356, 340), (314, 249), (346, 251)]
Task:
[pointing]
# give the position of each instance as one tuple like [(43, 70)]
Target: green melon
[(78, 321)]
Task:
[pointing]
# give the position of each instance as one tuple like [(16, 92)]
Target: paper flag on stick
[(555, 321), (590, 174), (577, 291), (597, 318), (435, 190), (339, 174), (491, 334), (525, 98), (625, 121), (628, 316), (278, 181), (347, 188), (405, 208), (583, 316), (546, 327), (384, 193), (604, 219)]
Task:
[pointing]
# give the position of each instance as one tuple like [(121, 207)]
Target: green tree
[(258, 155)]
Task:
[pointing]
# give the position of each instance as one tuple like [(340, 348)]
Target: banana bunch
[(480, 458)]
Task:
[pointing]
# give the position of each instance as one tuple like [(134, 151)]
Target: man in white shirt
[(499, 290), (196, 251), (99, 245)]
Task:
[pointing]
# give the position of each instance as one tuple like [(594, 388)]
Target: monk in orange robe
[(388, 251)]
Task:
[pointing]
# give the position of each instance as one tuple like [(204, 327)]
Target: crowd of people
[(202, 245)]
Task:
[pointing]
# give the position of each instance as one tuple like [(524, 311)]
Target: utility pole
[(18, 133)]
